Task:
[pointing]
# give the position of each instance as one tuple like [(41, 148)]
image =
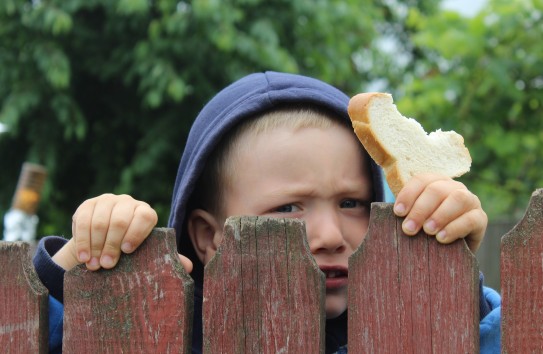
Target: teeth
[(332, 274)]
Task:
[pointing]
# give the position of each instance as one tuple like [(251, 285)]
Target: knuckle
[(82, 213), (471, 222), (420, 178), (99, 226), (124, 197), (462, 196), (428, 177), (82, 224), (104, 196), (119, 224), (484, 216), (435, 188), (480, 217), (147, 214), (477, 203)]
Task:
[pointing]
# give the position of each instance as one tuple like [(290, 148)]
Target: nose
[(324, 232)]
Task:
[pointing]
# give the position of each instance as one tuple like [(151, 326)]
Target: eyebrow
[(344, 189)]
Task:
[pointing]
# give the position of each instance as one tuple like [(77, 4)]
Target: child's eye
[(352, 203), (287, 208)]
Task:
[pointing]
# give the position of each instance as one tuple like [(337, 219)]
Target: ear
[(205, 233)]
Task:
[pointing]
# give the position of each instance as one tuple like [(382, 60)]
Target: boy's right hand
[(104, 226)]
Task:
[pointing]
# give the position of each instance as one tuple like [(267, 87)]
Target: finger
[(186, 263), (66, 257), (121, 217), (422, 209), (458, 201), (412, 190), (427, 203), (143, 222), (81, 223), (99, 229), (470, 225)]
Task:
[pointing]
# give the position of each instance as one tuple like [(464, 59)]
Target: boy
[(279, 145)]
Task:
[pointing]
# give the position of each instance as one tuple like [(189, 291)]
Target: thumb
[(186, 263)]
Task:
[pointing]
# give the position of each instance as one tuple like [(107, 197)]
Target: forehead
[(306, 149), (293, 119), (302, 139), (285, 165)]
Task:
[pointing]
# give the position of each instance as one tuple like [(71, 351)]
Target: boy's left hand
[(442, 207)]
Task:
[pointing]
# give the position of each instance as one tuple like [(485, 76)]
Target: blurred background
[(102, 93)]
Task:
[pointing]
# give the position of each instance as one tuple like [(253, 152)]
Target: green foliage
[(103, 92), (481, 77)]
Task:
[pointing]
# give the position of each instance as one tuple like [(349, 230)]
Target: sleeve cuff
[(50, 273)]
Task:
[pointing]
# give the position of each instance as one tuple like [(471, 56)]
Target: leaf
[(132, 7), (54, 64)]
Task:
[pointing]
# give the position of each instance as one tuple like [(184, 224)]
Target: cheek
[(355, 231)]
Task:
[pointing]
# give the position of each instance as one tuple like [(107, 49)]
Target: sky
[(465, 7)]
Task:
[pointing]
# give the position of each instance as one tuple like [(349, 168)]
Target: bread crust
[(358, 110), (359, 104), (394, 178)]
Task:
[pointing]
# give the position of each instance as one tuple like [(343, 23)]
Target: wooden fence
[(263, 293)]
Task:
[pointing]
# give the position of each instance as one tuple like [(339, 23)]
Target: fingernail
[(83, 257), (106, 261), (430, 227), (409, 226), (126, 247), (399, 209), (441, 235), (94, 262)]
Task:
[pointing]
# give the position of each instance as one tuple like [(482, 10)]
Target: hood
[(247, 97)]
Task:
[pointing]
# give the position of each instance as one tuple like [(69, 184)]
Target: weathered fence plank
[(411, 294), (144, 305), (263, 291), (522, 282), (24, 304)]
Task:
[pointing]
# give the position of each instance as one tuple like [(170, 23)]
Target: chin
[(335, 306), (330, 315)]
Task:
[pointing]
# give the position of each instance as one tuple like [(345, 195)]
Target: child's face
[(318, 175)]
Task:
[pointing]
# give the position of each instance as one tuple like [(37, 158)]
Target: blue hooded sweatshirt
[(245, 99)]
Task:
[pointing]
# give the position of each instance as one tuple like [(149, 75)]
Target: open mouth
[(336, 276)]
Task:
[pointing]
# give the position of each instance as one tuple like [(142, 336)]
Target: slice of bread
[(400, 145)]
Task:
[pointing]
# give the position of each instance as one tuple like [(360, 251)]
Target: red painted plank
[(522, 282), (24, 305), (411, 294), (263, 291), (143, 305)]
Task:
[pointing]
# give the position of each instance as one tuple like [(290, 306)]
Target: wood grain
[(263, 292), (24, 305), (411, 294), (522, 282), (143, 305)]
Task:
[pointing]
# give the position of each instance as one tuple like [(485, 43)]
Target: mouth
[(336, 276)]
